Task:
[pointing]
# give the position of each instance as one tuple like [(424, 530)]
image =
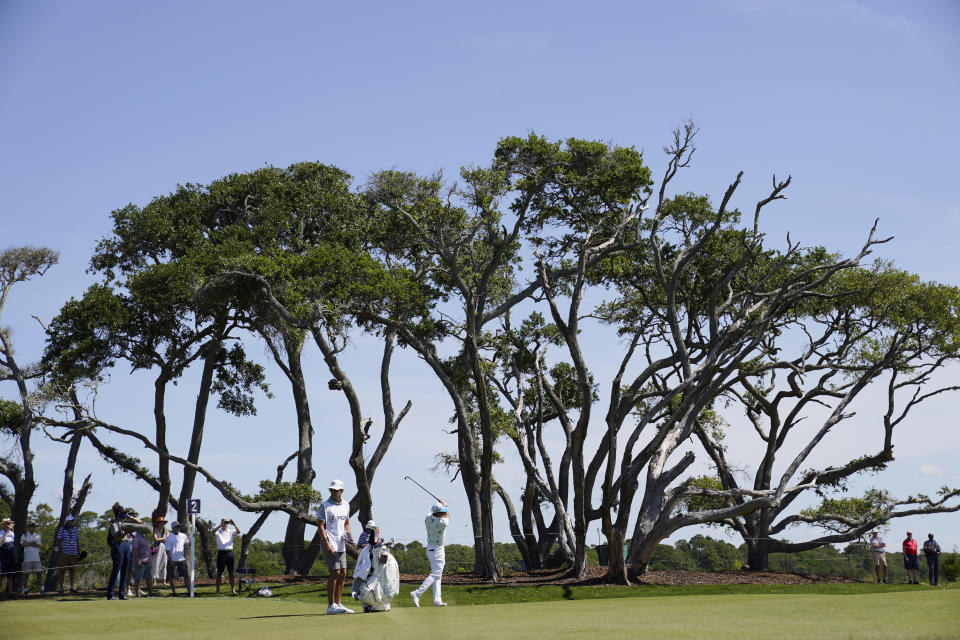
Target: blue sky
[(106, 103)]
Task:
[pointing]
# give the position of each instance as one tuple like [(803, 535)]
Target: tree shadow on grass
[(285, 615)]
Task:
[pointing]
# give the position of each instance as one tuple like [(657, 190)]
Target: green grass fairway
[(900, 614)]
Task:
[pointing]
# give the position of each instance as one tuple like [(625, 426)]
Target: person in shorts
[(334, 516), (225, 551), (879, 549), (142, 565), (67, 544), (177, 543), (30, 542), (911, 561)]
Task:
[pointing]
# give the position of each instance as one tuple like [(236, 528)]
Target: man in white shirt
[(225, 551), (879, 548), (436, 522), (177, 542), (334, 516), (30, 541)]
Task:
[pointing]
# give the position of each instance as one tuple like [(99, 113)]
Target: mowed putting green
[(900, 614)]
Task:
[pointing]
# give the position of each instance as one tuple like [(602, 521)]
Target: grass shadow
[(285, 615)]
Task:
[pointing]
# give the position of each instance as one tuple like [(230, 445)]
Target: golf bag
[(379, 578)]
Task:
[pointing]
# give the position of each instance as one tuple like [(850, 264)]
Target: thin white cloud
[(933, 471)]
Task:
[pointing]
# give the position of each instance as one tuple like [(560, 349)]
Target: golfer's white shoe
[(416, 598), (439, 604), (333, 609), (343, 609)]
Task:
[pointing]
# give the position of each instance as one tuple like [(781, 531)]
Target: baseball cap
[(68, 518), (439, 508), (336, 485), (174, 524)]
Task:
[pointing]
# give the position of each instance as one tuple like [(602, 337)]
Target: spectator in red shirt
[(910, 560)]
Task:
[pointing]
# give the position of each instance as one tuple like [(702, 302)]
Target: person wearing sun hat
[(30, 542), (334, 517), (8, 553), (159, 549)]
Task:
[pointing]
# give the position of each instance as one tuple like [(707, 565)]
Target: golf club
[(422, 487)]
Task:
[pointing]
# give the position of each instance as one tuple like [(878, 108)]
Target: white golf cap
[(68, 518), (439, 508), (336, 485), (371, 525)]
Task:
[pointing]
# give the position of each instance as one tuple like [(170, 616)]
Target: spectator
[(159, 550), (334, 516), (142, 567), (67, 543), (879, 549), (436, 522), (30, 541), (8, 554), (225, 551), (932, 552), (177, 542), (120, 551), (910, 560)]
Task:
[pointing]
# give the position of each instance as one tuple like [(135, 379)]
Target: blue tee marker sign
[(193, 506)]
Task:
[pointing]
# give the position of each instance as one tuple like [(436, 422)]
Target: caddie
[(334, 517)]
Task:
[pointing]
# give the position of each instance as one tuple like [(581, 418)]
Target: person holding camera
[(120, 551), (225, 551)]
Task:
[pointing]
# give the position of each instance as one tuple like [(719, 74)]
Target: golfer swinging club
[(437, 522)]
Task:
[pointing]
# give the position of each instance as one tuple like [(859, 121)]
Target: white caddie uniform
[(335, 516), (436, 528)]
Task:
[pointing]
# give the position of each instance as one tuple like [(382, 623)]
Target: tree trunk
[(616, 566), (294, 538), (515, 531), (489, 567), (249, 536), (207, 546), (529, 537), (160, 422), (311, 554), (66, 503), (200, 413)]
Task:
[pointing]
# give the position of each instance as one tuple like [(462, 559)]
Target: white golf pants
[(437, 559)]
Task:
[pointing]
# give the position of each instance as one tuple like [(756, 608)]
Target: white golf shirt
[(225, 539), (30, 554), (335, 515), (175, 545)]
